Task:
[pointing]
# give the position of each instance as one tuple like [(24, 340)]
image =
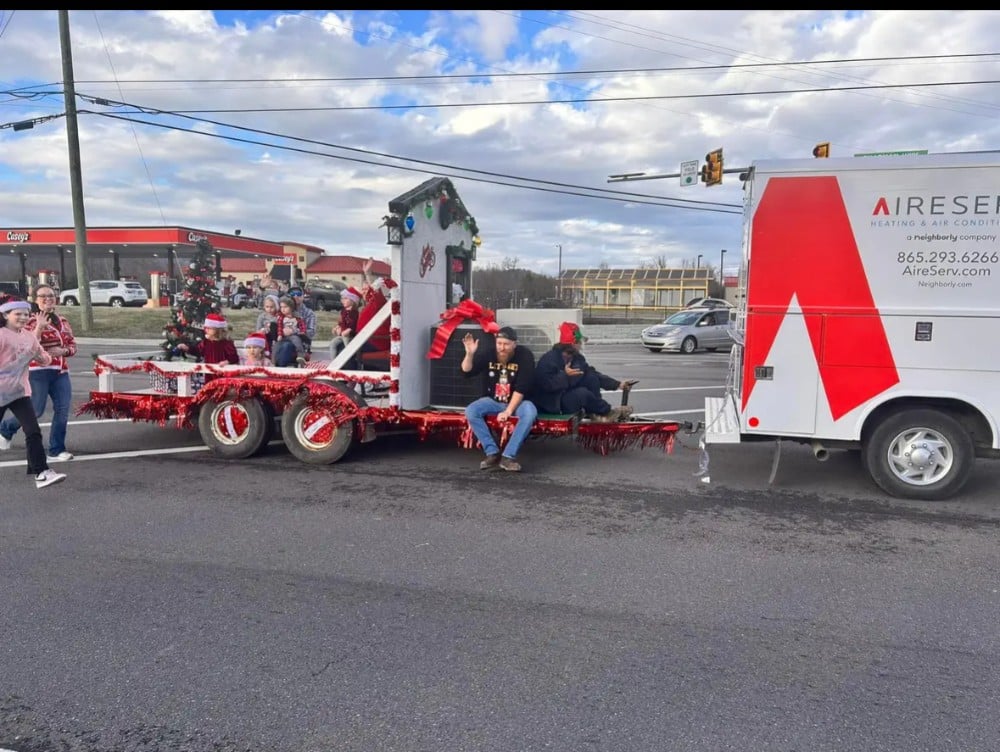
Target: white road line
[(665, 389), (113, 456)]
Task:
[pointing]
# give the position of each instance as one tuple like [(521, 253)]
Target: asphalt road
[(401, 599)]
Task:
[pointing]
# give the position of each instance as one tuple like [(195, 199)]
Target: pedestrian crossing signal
[(711, 173)]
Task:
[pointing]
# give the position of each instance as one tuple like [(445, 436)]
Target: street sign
[(890, 153), (689, 172)]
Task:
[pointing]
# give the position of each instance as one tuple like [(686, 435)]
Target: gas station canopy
[(52, 248)]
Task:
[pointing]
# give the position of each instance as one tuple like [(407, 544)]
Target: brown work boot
[(623, 413), (492, 461), (595, 418), (510, 464)]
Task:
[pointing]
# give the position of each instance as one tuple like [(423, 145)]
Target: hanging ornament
[(409, 222), (428, 210), (465, 224)]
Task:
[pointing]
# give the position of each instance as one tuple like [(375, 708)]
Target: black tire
[(689, 345), (920, 453), (312, 436), (235, 429), (70, 301), (117, 303)]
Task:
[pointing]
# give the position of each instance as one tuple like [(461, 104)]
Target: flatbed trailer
[(324, 409), (318, 412)]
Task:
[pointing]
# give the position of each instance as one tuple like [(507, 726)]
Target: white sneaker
[(5, 444), (61, 457), (48, 478)]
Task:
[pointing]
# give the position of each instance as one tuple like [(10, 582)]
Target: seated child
[(267, 321), (216, 347), (347, 325), (290, 349), (254, 347)]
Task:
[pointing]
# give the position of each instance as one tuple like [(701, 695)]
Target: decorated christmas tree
[(199, 297)]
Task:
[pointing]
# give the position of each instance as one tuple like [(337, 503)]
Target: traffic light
[(821, 150), (711, 173)]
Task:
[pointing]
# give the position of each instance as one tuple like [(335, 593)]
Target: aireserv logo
[(15, 236), (935, 206)]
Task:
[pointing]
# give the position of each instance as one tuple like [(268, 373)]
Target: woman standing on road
[(18, 347), (49, 381)]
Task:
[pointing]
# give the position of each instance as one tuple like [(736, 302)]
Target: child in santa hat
[(216, 347), (254, 347), (347, 325)]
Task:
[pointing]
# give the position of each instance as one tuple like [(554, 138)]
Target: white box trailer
[(869, 315)]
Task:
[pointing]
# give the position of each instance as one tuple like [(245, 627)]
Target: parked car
[(325, 294), (689, 330), (10, 289), (111, 292), (708, 303), (552, 303)]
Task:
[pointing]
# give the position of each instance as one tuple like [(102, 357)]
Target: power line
[(598, 193), (546, 74), (581, 100)]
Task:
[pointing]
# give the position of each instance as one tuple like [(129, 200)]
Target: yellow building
[(636, 291)]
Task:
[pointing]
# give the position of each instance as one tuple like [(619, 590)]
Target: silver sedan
[(690, 330)]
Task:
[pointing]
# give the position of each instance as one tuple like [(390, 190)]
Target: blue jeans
[(286, 351), (45, 383), (477, 412)]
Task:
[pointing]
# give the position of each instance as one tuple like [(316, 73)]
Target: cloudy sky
[(303, 125)]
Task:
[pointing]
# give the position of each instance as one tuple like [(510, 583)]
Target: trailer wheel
[(919, 454), (689, 345), (312, 436), (235, 429)]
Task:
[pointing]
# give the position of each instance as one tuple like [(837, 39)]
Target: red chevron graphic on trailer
[(796, 250)]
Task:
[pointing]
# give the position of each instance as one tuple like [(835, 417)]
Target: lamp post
[(698, 262), (559, 275), (722, 283)]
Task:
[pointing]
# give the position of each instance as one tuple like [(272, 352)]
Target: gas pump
[(50, 278), (158, 289)]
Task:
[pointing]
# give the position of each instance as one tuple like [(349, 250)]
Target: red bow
[(450, 319)]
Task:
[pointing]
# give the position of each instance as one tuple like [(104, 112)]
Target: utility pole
[(722, 281), (75, 175), (559, 277)]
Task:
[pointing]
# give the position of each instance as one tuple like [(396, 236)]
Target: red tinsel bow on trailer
[(450, 319)]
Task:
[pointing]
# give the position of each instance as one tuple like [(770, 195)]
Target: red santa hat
[(570, 334), (255, 339), (215, 321), (351, 294)]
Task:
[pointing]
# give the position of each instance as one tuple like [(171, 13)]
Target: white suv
[(110, 292)]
